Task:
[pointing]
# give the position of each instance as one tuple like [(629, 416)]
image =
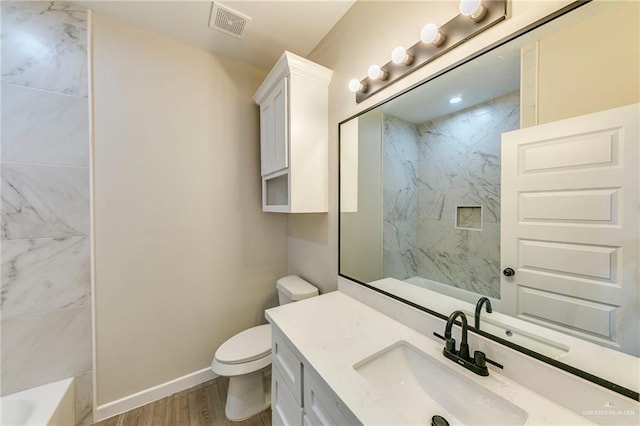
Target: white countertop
[(333, 332), (619, 368)]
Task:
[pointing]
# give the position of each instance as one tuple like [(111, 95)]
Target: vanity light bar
[(475, 17)]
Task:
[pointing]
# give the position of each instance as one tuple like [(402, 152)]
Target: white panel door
[(570, 226)]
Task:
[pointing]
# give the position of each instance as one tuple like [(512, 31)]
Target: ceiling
[(297, 26), (492, 75)]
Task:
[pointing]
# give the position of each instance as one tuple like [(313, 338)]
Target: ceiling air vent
[(228, 20)]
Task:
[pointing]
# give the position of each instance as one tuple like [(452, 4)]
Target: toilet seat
[(245, 352), (246, 346)]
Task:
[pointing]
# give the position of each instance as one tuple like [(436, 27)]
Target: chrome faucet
[(481, 301)]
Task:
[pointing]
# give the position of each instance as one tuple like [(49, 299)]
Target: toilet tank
[(293, 288)]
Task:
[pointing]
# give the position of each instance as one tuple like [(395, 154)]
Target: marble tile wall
[(400, 198), (459, 164), (46, 303)]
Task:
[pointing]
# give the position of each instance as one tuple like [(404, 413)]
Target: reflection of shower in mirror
[(431, 169)]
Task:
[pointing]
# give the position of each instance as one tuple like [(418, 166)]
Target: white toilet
[(246, 358)]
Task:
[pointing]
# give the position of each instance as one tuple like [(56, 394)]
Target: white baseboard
[(152, 394)]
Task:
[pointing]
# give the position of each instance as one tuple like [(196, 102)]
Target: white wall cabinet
[(298, 395), (294, 102)]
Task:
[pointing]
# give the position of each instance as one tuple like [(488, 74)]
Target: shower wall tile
[(457, 161), (399, 252), (45, 347), (463, 148), (400, 198), (43, 274), (84, 399), (45, 248), (462, 270), (44, 201), (44, 46), (438, 236), (459, 164), (43, 127)]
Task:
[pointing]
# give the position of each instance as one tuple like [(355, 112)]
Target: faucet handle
[(450, 345), (479, 359)]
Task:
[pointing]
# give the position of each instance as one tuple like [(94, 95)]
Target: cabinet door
[(319, 407), (281, 127), (267, 136), (288, 365), (274, 129), (285, 410)]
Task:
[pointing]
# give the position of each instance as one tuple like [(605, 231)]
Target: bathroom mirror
[(425, 181)]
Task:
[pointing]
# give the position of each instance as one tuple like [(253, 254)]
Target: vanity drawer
[(320, 408), (285, 409), (288, 365)]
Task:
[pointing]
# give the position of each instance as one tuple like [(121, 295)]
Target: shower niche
[(469, 218)]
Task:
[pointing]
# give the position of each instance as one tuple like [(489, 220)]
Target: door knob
[(508, 272)]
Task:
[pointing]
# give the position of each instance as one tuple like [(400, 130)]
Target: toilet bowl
[(246, 358)]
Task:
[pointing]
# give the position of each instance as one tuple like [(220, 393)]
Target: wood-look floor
[(200, 405)]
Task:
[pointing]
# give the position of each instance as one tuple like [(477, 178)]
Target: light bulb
[(455, 100), (356, 85), (377, 73), (474, 9), (432, 34), (400, 56)]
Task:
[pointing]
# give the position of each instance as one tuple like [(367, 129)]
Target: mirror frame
[(562, 366)]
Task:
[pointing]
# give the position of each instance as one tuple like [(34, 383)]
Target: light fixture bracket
[(458, 30)]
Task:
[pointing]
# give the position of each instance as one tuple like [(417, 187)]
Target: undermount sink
[(420, 387), (531, 341)]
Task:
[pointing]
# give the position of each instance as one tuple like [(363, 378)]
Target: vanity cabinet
[(294, 102), (298, 395)]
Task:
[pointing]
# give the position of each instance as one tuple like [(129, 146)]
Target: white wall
[(184, 256), (348, 50), (362, 222), (601, 72)]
